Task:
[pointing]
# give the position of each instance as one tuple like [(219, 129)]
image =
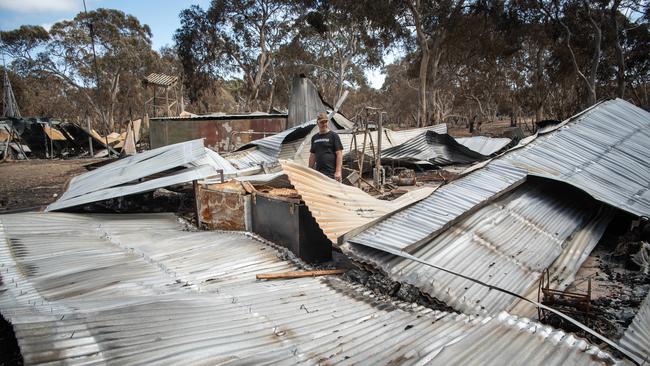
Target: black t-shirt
[(325, 147)]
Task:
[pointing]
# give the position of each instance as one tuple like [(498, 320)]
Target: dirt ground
[(492, 129), (34, 184)]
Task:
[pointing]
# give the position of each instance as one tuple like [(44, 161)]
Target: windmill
[(10, 109)]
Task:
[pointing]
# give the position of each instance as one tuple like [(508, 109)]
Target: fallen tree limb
[(286, 275)]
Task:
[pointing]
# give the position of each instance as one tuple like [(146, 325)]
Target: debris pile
[(478, 234)]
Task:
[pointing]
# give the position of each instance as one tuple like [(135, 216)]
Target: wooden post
[(169, 111)]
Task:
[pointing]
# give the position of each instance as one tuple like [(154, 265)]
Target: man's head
[(322, 120)]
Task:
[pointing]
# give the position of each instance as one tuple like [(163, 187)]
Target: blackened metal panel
[(289, 223), (314, 245), (277, 221)]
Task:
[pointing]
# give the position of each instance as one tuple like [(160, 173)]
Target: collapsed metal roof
[(127, 289), (117, 179), (390, 138), (266, 151), (602, 151), (433, 148), (339, 208), (507, 243), (396, 137)]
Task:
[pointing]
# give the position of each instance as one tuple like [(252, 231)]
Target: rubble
[(203, 285), (458, 259)]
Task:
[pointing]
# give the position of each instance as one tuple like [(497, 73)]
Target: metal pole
[(51, 140), (380, 131), (90, 139)]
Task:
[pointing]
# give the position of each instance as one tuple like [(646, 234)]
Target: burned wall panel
[(221, 133)]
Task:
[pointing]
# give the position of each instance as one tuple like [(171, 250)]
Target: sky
[(160, 15)]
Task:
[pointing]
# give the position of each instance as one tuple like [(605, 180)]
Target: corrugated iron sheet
[(390, 138), (433, 148), (441, 149), (266, 151), (217, 161), (507, 243), (250, 159), (304, 102), (574, 253), (484, 145), (277, 179), (637, 335), (161, 79), (603, 151), (111, 180), (339, 208), (272, 145), (183, 176), (397, 137), (137, 289)]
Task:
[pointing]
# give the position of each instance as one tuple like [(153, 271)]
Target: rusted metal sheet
[(222, 133), (223, 206)]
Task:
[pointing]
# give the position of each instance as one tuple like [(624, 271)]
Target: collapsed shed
[(126, 289), (46, 138), (477, 224)]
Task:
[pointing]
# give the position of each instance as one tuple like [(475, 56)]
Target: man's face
[(322, 126)]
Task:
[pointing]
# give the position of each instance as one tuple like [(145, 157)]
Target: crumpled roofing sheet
[(397, 137), (390, 138), (266, 151), (564, 268), (339, 208), (507, 243), (137, 289), (484, 145), (213, 159), (114, 180), (433, 148), (603, 151), (637, 335)]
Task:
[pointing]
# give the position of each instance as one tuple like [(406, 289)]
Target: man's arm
[(312, 160), (339, 165)]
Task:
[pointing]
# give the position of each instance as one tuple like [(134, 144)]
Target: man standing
[(326, 150)]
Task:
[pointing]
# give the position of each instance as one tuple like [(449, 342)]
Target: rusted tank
[(404, 177), (225, 206)]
